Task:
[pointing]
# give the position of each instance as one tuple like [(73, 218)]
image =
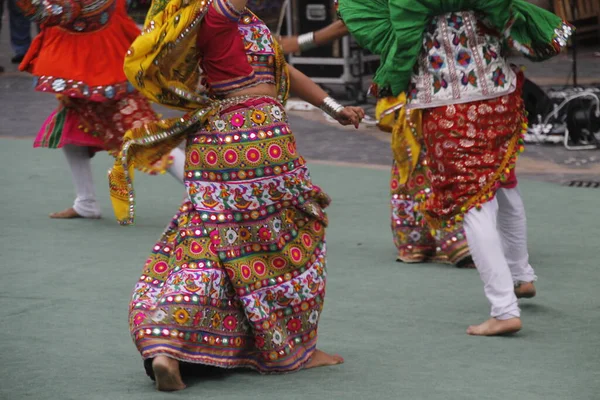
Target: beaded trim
[(79, 89), (546, 50), (178, 128)]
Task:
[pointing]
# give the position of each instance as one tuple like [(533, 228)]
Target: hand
[(351, 116), (289, 44)]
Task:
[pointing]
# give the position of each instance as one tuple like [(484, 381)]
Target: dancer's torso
[(461, 61)]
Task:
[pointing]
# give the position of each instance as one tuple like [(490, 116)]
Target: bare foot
[(525, 290), (69, 213), (495, 327), (322, 359), (166, 372)]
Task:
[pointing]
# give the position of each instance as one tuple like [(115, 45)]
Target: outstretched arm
[(307, 41), (51, 12), (303, 87)]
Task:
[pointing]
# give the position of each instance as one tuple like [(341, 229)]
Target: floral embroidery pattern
[(455, 67)]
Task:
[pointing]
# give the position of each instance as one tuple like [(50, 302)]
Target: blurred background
[(562, 95)]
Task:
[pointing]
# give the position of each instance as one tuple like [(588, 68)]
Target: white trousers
[(497, 238), (80, 164)]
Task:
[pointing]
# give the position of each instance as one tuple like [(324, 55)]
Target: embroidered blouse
[(461, 61), (236, 50)]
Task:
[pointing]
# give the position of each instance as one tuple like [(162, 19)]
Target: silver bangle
[(331, 107), (306, 41)]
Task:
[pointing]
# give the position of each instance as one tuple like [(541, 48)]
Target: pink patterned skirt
[(97, 125)]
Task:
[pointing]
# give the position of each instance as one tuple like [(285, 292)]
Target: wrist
[(331, 107), (306, 41)]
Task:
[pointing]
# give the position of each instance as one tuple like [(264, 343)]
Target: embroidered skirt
[(413, 237), (238, 277), (94, 124), (472, 150)]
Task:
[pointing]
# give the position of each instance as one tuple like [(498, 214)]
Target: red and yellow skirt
[(471, 149)]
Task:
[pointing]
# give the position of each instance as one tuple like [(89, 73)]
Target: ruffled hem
[(86, 65), (252, 361)]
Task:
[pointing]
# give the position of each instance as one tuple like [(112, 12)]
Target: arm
[(50, 12), (307, 41), (303, 87)]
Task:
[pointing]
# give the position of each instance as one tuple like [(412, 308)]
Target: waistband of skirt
[(245, 100)]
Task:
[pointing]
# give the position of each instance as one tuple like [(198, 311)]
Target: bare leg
[(167, 375)]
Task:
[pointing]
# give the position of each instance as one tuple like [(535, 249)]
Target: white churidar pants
[(80, 164), (497, 238)]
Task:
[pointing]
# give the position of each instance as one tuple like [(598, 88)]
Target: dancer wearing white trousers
[(86, 205), (464, 99), (497, 238)]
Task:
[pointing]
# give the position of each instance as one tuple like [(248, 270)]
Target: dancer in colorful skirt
[(464, 102), (414, 239), (238, 277), (78, 56)]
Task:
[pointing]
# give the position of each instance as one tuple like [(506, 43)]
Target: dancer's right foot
[(495, 327), (525, 290), (69, 213), (166, 372), (322, 359)]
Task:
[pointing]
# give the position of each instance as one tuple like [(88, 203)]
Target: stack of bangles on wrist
[(306, 41), (331, 107)]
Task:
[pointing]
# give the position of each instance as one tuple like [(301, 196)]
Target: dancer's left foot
[(69, 213), (322, 359), (167, 375), (495, 327), (525, 290)]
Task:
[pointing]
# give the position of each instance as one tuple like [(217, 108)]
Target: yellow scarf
[(405, 126), (163, 64)]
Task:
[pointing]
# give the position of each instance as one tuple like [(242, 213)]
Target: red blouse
[(236, 49)]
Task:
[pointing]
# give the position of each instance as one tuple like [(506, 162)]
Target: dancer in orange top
[(78, 56)]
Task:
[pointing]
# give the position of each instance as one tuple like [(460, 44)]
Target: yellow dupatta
[(163, 65), (405, 127)]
